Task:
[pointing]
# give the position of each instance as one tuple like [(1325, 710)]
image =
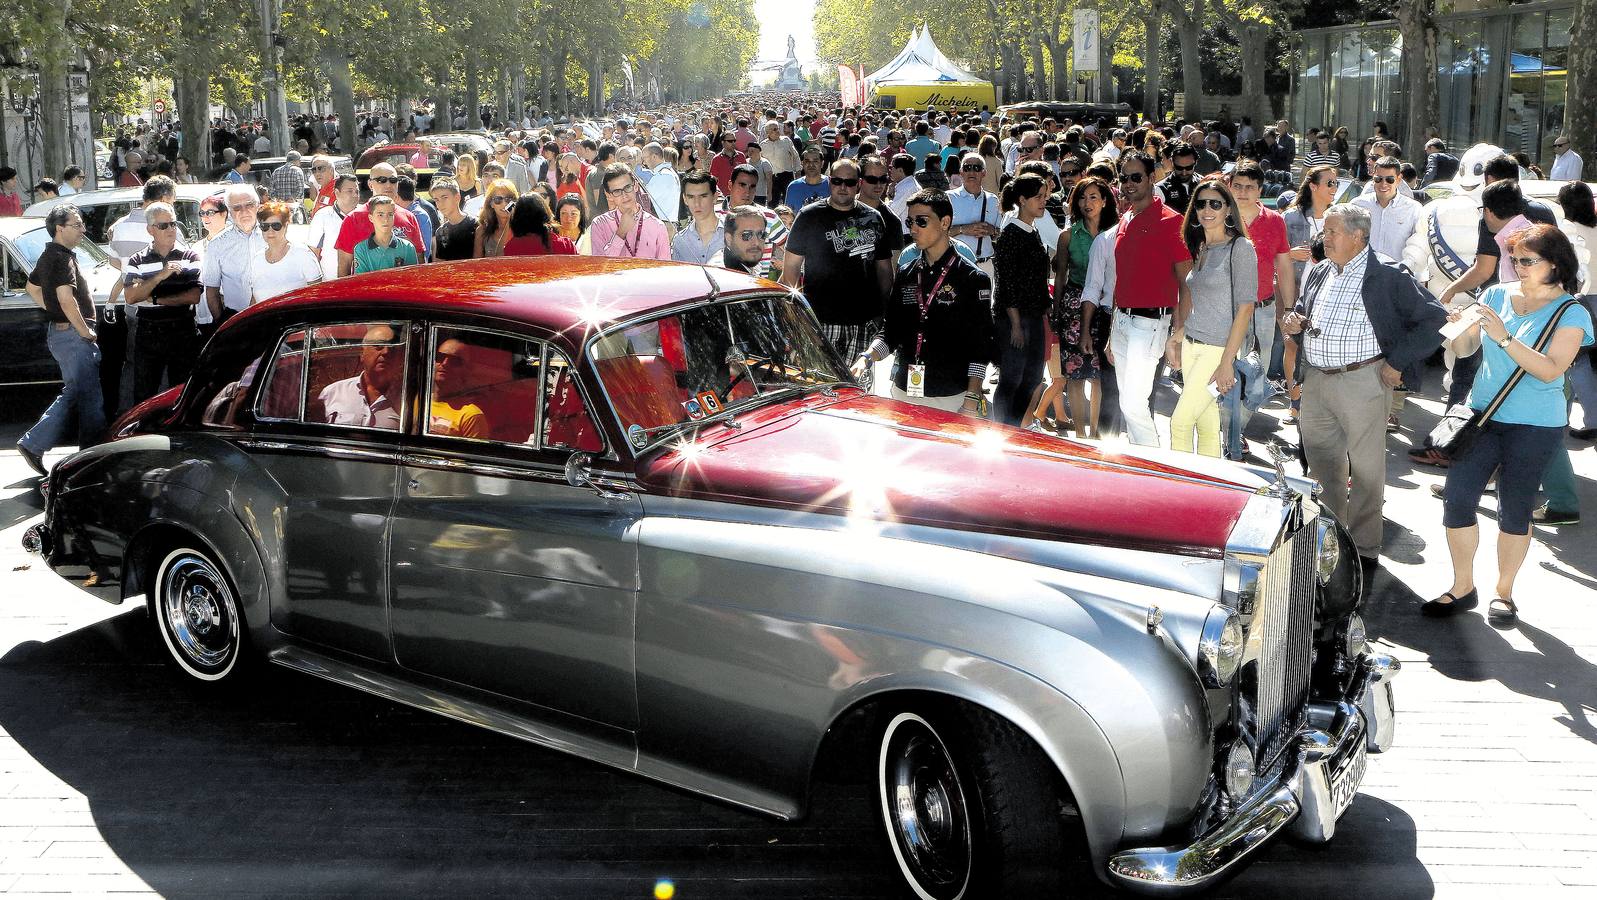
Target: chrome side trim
[(320, 449), (610, 753)]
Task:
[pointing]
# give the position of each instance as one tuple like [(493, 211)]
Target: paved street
[(114, 778)]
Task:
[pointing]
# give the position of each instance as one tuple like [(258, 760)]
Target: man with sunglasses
[(725, 160), (745, 181), (938, 322), (163, 280), (357, 227), (325, 181), (1151, 266), (873, 188), (1175, 191), (840, 254), (743, 244), (976, 214), (1393, 217), (1567, 164)]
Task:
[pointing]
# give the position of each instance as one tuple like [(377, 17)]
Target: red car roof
[(556, 293)]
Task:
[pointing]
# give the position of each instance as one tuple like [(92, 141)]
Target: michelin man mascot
[(1444, 244)]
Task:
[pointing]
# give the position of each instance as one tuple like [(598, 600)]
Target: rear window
[(350, 375)]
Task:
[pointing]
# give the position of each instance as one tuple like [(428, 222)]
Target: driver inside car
[(452, 378)]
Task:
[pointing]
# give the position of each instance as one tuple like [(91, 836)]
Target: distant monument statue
[(792, 77)]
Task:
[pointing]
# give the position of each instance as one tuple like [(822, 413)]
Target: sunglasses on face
[(272, 226), (1525, 262), (1560, 144), (1214, 203), (384, 179), (921, 221), (875, 179), (1385, 179), (1069, 173), (162, 226), (972, 168), (748, 234), (207, 213), (502, 200), (1132, 178), (1190, 168), (844, 182)]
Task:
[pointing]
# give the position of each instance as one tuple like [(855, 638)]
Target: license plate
[(1345, 786)]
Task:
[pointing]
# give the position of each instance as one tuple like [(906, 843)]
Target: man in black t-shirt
[(874, 179), (839, 251), (163, 280), (452, 239), (64, 295)]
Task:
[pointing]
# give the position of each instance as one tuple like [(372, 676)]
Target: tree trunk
[(1108, 89), (1580, 112), (55, 101), (546, 64), (338, 80), (193, 96), (503, 107), (1189, 27), (473, 92), (1152, 62), (1059, 53), (1416, 22), (443, 118), (1254, 38), (1039, 69), (518, 94), (270, 13), (596, 84)]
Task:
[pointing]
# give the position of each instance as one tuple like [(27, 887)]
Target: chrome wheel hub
[(926, 810), (198, 611)]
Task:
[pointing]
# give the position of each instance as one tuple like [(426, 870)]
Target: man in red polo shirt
[(1151, 266), (357, 227)]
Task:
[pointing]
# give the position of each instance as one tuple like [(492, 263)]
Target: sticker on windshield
[(710, 402), (695, 411), (636, 436)]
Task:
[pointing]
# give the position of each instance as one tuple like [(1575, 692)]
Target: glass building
[(1500, 77)]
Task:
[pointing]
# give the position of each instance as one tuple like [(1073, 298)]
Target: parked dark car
[(24, 358)]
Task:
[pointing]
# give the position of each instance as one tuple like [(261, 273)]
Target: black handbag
[(1461, 424)]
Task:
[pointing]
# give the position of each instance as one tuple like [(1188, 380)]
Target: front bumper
[(1307, 800)]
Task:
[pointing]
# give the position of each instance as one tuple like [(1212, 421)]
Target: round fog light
[(1238, 771), (1357, 636)]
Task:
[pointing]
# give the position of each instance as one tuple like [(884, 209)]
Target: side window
[(484, 386), (567, 424), (16, 276), (351, 375), (188, 221), (227, 387), (97, 219)]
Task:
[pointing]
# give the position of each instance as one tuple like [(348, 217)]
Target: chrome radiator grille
[(1285, 623)]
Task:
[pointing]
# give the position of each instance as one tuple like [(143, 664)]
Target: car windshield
[(710, 359), (31, 243)]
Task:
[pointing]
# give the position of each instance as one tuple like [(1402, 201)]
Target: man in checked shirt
[(1365, 327)]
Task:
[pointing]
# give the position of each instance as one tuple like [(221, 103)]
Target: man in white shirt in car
[(1567, 164)]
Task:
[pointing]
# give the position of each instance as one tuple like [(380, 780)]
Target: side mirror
[(579, 474)]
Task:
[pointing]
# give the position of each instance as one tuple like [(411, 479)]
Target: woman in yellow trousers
[(1222, 287)]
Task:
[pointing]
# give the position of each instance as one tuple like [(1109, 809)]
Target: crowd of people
[(1085, 263)]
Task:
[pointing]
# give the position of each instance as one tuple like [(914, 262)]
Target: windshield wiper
[(729, 419)]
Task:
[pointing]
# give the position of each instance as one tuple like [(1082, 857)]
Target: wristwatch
[(1507, 339)]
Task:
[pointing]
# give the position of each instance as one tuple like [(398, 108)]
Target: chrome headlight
[(1220, 648), (1356, 637), (1329, 551), (1238, 771)]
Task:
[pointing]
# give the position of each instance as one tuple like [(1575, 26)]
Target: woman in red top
[(532, 230)]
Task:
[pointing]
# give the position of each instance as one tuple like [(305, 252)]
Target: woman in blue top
[(1528, 427)]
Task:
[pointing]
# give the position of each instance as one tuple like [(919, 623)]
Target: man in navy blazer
[(1365, 326)]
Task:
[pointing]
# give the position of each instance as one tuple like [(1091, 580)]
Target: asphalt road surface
[(117, 779)]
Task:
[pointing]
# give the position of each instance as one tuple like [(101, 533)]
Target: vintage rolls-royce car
[(638, 512)]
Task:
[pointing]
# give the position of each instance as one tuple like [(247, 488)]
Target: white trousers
[(1138, 346)]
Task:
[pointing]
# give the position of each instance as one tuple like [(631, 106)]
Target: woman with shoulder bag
[(1528, 332), (1223, 284)]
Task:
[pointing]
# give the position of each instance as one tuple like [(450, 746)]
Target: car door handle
[(414, 484)]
